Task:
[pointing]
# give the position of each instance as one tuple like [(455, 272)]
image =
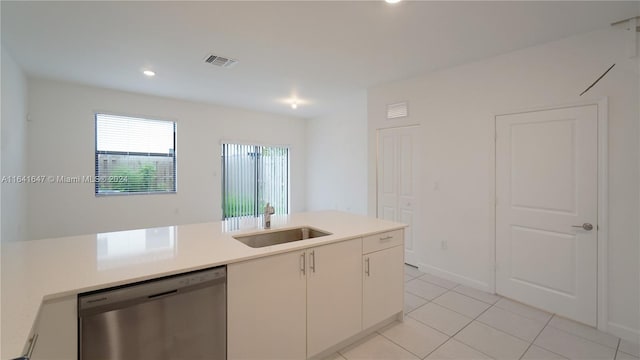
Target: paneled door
[(546, 210), (397, 183)]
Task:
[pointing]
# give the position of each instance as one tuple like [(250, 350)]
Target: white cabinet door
[(383, 285), (334, 294), (266, 308)]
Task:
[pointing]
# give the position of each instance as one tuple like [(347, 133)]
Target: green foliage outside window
[(127, 180)]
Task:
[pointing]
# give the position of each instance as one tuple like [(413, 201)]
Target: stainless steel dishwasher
[(178, 317)]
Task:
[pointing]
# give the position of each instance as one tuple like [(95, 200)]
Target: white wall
[(14, 149), (337, 158), (61, 142), (455, 108)]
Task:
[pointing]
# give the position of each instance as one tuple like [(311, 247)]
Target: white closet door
[(546, 211), (397, 183)]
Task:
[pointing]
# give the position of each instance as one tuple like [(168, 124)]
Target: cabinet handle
[(313, 261), (303, 264), (366, 267), (386, 238)]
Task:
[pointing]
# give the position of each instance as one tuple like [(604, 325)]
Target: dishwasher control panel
[(197, 278)]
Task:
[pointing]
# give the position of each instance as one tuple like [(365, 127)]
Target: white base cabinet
[(383, 288), (383, 293), (294, 305), (266, 308), (334, 294)]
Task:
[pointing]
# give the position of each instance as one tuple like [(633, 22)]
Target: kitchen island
[(55, 271)]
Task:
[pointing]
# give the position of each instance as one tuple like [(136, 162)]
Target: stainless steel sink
[(276, 237)]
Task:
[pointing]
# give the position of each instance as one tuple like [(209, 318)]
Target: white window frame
[(98, 179)]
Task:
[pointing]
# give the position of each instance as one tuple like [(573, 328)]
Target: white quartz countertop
[(41, 270)]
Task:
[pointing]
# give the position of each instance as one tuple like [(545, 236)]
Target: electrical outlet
[(443, 245)]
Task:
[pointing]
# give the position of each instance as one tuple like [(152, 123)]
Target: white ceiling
[(320, 51)]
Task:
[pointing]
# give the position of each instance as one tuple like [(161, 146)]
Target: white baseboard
[(460, 279), (624, 332)]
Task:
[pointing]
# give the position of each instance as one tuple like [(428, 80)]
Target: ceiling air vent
[(397, 110), (220, 61)]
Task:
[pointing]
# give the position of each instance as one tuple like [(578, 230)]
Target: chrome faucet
[(268, 211)]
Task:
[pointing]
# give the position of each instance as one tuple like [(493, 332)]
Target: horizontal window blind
[(134, 155), (253, 176)]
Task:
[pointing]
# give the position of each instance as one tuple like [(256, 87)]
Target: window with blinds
[(134, 156), (253, 176)]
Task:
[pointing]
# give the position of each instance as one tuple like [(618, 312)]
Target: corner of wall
[(13, 131), (336, 157)]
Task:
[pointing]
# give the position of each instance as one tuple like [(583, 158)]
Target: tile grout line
[(471, 322), (476, 319), (629, 353), (437, 347), (452, 336), (536, 338), (584, 338), (519, 314), (531, 343), (400, 346), (430, 283), (431, 301), (457, 312), (429, 326), (556, 328), (615, 355), (422, 296), (488, 303), (433, 283), (407, 315), (491, 305)]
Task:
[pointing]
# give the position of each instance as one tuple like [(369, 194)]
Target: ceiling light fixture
[(149, 73), (392, 1), (293, 101)]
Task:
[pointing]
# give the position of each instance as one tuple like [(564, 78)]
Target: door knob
[(585, 226)]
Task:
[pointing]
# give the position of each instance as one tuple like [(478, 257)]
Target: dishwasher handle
[(166, 293)]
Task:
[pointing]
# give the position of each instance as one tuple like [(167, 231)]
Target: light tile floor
[(445, 320)]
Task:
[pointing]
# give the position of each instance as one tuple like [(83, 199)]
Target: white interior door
[(546, 188), (397, 182)]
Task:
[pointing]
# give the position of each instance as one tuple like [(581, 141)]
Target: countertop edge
[(30, 310)]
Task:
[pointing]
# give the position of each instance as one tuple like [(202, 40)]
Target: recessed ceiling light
[(294, 101), (392, 1), (149, 73)]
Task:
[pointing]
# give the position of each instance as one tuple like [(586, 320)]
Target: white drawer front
[(381, 241)]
